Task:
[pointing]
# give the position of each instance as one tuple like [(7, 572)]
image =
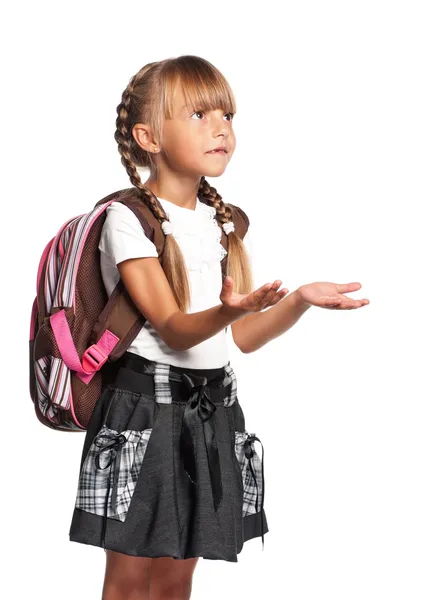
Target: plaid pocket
[(251, 471), (110, 472)]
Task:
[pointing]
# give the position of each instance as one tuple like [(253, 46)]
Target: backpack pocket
[(110, 472), (251, 468), (50, 387)]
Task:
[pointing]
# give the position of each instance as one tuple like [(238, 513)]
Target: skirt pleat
[(144, 491)]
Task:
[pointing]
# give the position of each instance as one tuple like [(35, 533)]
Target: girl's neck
[(179, 191)]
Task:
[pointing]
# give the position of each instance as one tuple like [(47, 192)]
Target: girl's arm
[(255, 330), (149, 289)]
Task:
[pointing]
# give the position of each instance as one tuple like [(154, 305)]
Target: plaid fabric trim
[(253, 484), (229, 400), (110, 471), (162, 389)]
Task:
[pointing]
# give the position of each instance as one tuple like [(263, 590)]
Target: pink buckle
[(93, 359)]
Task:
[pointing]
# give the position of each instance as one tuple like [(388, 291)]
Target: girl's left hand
[(330, 295)]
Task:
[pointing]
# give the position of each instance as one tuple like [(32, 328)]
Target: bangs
[(202, 85)]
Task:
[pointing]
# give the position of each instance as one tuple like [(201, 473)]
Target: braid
[(125, 146), (237, 259), (212, 198), (173, 262)]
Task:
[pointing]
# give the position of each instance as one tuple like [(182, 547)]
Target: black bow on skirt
[(200, 406)]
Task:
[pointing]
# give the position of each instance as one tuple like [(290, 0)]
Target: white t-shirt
[(198, 236)]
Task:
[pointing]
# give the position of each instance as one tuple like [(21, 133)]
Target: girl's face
[(190, 137)]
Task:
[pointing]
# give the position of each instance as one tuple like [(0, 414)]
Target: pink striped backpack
[(77, 333)]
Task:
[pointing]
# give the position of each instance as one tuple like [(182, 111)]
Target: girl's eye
[(201, 112)]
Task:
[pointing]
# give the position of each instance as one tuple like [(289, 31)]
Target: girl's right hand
[(266, 295)]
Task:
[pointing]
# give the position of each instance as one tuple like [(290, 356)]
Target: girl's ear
[(142, 134)]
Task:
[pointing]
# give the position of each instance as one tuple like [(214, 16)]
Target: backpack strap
[(120, 315)]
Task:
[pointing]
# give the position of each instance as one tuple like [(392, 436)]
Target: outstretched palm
[(266, 295), (331, 295)]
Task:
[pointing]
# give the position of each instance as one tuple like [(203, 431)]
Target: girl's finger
[(278, 296), (272, 297), (257, 296), (344, 288), (270, 286), (352, 303), (260, 297), (268, 295), (250, 301)]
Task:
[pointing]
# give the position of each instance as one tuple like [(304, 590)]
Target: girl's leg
[(171, 579), (126, 577)]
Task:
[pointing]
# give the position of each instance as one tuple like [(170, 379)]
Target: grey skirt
[(167, 467)]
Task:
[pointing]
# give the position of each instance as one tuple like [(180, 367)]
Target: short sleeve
[(123, 236)]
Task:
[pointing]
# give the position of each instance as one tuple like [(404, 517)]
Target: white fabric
[(167, 227), (198, 236), (228, 227)]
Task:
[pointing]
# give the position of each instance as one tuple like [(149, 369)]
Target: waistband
[(139, 361), (139, 374)]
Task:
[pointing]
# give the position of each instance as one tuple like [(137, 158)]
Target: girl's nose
[(220, 126), (222, 130)]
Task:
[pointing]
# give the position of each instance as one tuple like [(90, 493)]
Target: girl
[(168, 469)]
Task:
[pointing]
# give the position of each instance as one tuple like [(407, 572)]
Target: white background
[(328, 167)]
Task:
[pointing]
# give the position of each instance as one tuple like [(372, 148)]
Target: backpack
[(78, 333)]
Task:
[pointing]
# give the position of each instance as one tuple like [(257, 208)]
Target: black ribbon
[(114, 447), (200, 406), (249, 453)]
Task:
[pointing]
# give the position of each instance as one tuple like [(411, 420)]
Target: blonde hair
[(148, 98)]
